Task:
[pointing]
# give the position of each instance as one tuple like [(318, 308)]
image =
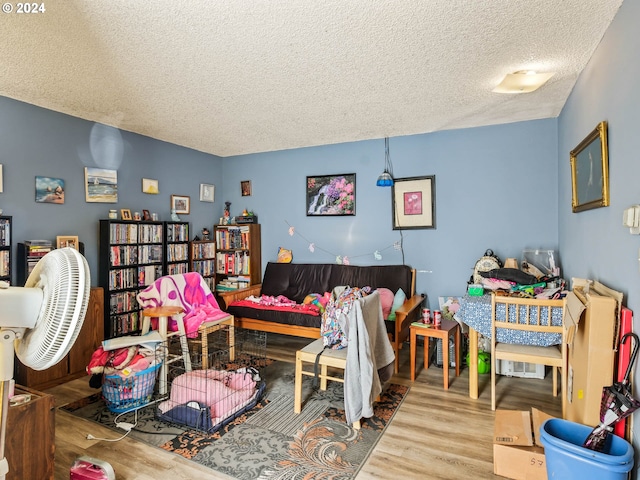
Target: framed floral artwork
[(331, 195), (414, 202)]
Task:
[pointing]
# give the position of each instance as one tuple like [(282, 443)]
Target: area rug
[(269, 441)]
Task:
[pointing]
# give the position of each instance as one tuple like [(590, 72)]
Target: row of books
[(123, 302), (233, 263), (125, 324), (233, 283), (176, 268), (178, 232), (5, 233), (178, 252), (204, 250), (205, 268), (4, 263), (232, 238)]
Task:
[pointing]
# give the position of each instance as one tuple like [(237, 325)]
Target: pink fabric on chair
[(189, 291)]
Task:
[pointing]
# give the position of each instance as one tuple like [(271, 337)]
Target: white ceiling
[(231, 77)]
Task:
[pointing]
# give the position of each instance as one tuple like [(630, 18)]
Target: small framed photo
[(67, 241), (146, 215), (181, 204), (245, 188), (125, 214), (206, 192), (150, 186)]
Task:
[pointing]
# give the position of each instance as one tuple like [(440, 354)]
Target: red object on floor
[(87, 468), (624, 355)]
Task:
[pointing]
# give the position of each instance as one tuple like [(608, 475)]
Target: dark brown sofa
[(296, 280)]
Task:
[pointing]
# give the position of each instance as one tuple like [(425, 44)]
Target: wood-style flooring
[(436, 433)]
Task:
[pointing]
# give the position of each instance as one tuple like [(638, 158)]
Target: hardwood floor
[(435, 434)]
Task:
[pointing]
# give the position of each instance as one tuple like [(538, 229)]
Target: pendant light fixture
[(386, 178)]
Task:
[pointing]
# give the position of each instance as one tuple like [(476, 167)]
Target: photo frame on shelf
[(125, 214), (245, 188), (150, 186), (146, 215), (67, 241), (331, 195), (414, 202), (181, 204), (100, 185), (49, 190), (207, 192), (590, 171)]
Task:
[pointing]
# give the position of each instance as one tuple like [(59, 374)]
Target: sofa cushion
[(386, 300), (398, 300), (296, 280)]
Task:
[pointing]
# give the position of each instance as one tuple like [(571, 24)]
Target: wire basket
[(122, 394)]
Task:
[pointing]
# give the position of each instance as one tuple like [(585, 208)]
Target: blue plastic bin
[(567, 459)]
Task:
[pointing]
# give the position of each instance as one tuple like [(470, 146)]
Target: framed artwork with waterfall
[(414, 202), (331, 195)]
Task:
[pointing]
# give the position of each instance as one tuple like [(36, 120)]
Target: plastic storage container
[(567, 459)]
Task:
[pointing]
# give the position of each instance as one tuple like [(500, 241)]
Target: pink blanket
[(189, 291)]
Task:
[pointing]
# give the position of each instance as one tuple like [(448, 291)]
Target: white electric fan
[(41, 321)]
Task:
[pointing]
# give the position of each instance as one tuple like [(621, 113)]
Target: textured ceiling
[(231, 77)]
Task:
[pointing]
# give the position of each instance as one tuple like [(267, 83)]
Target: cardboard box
[(591, 354), (517, 451)]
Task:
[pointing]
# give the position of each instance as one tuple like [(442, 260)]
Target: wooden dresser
[(30, 437), (74, 364)]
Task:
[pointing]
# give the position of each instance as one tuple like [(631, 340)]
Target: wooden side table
[(446, 329)]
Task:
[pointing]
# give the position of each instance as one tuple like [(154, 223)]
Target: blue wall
[(594, 243), (38, 142), (496, 187)]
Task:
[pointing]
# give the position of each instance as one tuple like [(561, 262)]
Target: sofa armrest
[(409, 306), (407, 313), (226, 298)]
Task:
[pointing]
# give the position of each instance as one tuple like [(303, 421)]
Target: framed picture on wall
[(590, 171), (414, 202), (150, 186), (207, 192), (331, 195), (181, 204), (101, 185), (245, 188), (49, 190)]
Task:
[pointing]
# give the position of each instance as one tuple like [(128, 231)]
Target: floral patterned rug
[(269, 441)]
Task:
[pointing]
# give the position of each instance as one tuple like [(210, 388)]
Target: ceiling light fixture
[(386, 178), (523, 81)]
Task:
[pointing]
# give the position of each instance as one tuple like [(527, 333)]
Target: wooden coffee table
[(446, 329)]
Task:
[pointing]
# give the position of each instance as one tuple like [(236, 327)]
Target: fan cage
[(64, 277)]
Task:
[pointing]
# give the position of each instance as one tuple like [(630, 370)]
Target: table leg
[(445, 360), (473, 363), (413, 354), (456, 349)]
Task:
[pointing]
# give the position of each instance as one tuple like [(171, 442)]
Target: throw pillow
[(398, 300), (386, 299)]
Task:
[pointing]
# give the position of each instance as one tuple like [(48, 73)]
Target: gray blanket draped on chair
[(370, 357)]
